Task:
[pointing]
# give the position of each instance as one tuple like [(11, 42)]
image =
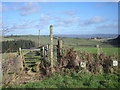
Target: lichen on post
[(51, 47), (98, 49)]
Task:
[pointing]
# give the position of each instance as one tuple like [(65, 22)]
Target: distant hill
[(89, 35), (115, 42)]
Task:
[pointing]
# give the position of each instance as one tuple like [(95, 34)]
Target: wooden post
[(59, 48), (47, 47), (39, 38), (98, 49), (51, 47), (60, 44), (43, 51), (59, 51), (48, 53), (38, 67), (20, 51)]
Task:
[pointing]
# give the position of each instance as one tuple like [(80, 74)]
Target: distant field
[(75, 80), (108, 51), (76, 43), (43, 39), (67, 42)]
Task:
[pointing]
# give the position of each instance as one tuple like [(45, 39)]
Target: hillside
[(115, 42), (103, 36)]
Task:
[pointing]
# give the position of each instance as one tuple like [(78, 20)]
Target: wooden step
[(33, 61)]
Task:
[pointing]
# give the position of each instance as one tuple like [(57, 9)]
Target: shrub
[(12, 46)]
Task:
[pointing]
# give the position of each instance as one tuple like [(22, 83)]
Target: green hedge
[(12, 46)]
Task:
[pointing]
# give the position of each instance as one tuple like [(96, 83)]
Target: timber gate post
[(48, 53), (38, 67), (98, 49), (43, 52), (20, 51), (59, 51), (51, 47), (19, 62), (60, 44)]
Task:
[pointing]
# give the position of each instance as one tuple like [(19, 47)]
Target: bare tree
[(4, 30)]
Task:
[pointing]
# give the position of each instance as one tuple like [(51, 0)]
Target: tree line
[(13, 46)]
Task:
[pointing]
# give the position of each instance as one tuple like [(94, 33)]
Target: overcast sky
[(66, 17)]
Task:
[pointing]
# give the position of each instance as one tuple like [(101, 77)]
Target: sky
[(27, 18)]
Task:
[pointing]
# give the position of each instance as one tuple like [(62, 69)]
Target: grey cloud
[(67, 21), (72, 20), (15, 6), (70, 13), (25, 25), (45, 20), (94, 20), (108, 26), (28, 24), (78, 21), (29, 8), (44, 17), (21, 26)]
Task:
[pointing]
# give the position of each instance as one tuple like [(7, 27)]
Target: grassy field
[(68, 42), (76, 80), (108, 51), (76, 43)]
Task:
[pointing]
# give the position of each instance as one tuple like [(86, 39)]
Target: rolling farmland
[(67, 78)]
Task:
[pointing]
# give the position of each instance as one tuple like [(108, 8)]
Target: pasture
[(78, 44), (67, 78), (67, 41)]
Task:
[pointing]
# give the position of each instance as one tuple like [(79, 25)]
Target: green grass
[(108, 51), (68, 42), (76, 80)]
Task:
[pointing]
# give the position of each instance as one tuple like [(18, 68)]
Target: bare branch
[(4, 30)]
